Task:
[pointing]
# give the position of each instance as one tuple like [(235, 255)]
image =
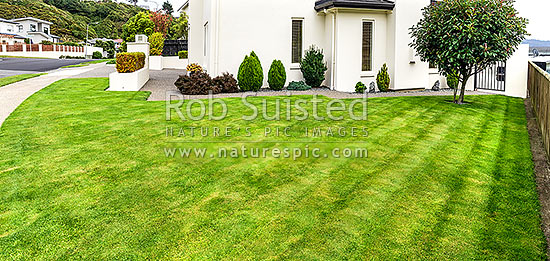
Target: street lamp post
[(86, 49)]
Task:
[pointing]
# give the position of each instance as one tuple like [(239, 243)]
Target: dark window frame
[(367, 47), (297, 40)]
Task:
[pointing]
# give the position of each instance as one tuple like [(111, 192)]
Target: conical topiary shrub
[(251, 75), (276, 76), (383, 79), (313, 67)]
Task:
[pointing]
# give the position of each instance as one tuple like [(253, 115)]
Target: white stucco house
[(37, 30), (357, 37), (7, 32)]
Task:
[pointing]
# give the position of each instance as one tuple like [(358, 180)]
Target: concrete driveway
[(15, 66)]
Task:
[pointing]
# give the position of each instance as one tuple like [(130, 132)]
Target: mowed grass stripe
[(87, 178)]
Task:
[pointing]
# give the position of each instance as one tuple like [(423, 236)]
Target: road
[(15, 66)]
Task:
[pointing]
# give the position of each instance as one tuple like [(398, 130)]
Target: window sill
[(295, 66), (367, 74)]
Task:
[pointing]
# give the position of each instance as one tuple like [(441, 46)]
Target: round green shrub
[(97, 55), (276, 76), (313, 67), (251, 75), (383, 79), (360, 87), (298, 86)]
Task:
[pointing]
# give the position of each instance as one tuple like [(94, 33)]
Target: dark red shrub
[(226, 83), (199, 83)]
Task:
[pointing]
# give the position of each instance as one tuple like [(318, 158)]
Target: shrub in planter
[(313, 67), (298, 86), (360, 87), (183, 54), (156, 42), (97, 55), (226, 83), (383, 79), (129, 62), (251, 75), (199, 83), (276, 76)]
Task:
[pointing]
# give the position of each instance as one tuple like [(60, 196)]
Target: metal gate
[(493, 78)]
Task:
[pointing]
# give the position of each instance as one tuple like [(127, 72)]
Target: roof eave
[(337, 4)]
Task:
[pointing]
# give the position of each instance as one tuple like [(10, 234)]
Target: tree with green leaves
[(180, 28), (138, 24), (167, 7), (466, 36)]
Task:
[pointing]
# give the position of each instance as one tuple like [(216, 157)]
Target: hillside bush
[(97, 55), (383, 79), (129, 62), (226, 83), (313, 66), (156, 44), (360, 87), (183, 54), (276, 76), (198, 83), (251, 75), (298, 86)]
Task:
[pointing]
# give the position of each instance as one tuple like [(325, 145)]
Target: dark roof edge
[(327, 4)]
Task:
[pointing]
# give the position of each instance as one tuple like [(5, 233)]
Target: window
[(10, 28), (20, 28), (297, 40), (33, 28), (46, 30), (366, 58), (206, 39)]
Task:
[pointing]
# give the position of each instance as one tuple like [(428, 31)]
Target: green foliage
[(97, 55), (313, 66), (46, 42), (453, 80), (467, 36), (27, 41), (251, 75), (69, 17), (138, 24), (360, 87), (167, 7), (108, 46), (180, 28), (383, 79), (183, 54), (298, 86), (277, 75), (129, 62), (156, 41)]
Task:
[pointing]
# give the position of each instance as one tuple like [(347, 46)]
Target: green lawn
[(17, 78), (83, 174)]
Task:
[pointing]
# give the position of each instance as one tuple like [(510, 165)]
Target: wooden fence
[(539, 91)]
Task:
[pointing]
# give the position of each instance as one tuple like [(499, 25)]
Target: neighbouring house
[(7, 32), (35, 29), (357, 37)]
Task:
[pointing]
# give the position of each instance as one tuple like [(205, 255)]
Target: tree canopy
[(138, 24), (167, 7), (466, 36)]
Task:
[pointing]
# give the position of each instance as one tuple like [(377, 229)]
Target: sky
[(537, 11)]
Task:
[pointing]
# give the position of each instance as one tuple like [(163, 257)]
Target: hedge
[(129, 62)]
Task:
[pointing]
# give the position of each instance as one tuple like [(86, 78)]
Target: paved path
[(11, 96)]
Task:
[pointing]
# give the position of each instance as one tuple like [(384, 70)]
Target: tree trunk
[(462, 89), (454, 95)]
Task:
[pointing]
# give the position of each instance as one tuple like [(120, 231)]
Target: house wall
[(7, 28), (234, 31), (349, 35)]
